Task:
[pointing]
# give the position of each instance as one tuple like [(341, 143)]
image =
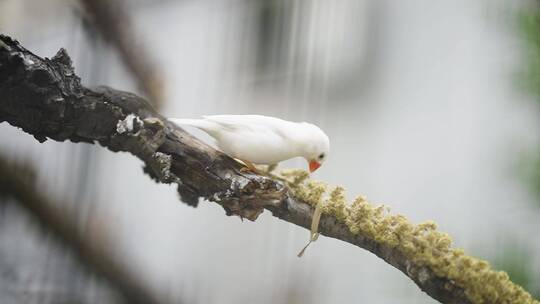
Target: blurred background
[(432, 107)]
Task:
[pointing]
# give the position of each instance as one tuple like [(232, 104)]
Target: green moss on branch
[(423, 244)]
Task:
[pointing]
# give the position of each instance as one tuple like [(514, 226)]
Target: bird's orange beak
[(313, 165)]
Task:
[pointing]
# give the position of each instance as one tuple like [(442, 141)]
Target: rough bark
[(45, 98)]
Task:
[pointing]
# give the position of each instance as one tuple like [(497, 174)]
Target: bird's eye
[(321, 156)]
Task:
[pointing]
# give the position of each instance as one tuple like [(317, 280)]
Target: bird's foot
[(250, 167), (247, 169)]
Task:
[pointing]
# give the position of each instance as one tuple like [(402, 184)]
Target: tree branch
[(18, 181), (112, 20), (45, 98)]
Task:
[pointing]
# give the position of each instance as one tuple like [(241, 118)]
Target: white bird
[(257, 139)]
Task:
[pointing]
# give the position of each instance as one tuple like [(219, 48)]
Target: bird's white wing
[(255, 138), (250, 123), (212, 128)]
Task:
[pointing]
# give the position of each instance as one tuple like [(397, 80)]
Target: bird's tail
[(197, 123)]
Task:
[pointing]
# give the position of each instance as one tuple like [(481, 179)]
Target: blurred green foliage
[(529, 169), (529, 82), (529, 28), (512, 256), (516, 260)]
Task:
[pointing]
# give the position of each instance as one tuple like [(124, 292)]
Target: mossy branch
[(45, 98)]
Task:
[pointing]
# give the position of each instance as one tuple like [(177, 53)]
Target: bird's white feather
[(260, 139), (197, 123)]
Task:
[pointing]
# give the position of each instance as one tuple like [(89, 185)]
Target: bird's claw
[(247, 169)]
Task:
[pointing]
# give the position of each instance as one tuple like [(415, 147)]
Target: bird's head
[(316, 147)]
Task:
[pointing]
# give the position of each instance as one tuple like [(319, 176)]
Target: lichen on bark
[(422, 244)]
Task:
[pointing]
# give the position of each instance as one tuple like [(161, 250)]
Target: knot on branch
[(142, 137), (247, 197), (159, 168), (130, 125)]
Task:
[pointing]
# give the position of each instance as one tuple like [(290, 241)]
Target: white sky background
[(417, 98)]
